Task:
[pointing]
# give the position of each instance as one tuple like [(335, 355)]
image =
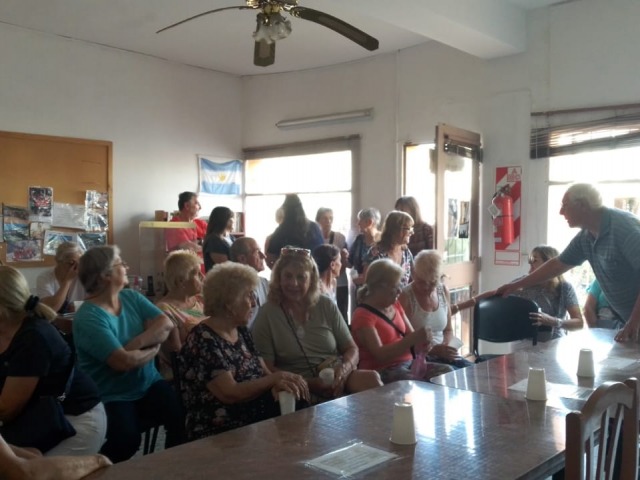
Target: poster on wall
[(40, 204), (505, 210)]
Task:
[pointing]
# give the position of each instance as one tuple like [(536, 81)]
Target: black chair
[(503, 319)]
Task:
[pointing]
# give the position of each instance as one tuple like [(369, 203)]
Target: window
[(321, 173), (615, 173)]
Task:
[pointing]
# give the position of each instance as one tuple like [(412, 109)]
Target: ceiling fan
[(272, 26)]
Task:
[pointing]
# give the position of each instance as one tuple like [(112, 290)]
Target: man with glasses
[(610, 240)]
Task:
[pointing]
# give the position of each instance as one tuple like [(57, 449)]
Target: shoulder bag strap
[(388, 320), (295, 335)]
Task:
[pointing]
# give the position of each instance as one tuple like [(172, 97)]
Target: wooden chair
[(609, 416)]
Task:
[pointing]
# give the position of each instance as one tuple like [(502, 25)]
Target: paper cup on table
[(403, 431), (536, 385), (327, 375), (287, 402), (586, 367)]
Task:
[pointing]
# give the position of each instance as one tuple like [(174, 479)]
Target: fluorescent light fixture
[(331, 118)]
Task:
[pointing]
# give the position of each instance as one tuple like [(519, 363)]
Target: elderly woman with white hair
[(426, 302), (225, 383), (386, 340), (59, 287)]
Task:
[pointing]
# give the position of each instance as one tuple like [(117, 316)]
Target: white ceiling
[(223, 41)]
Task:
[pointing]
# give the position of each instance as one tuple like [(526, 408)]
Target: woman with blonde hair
[(302, 331), (396, 232), (225, 384), (59, 287), (36, 361), (387, 341), (426, 302), (182, 303)]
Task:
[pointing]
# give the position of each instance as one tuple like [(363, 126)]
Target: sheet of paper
[(351, 460), (618, 363), (557, 390)]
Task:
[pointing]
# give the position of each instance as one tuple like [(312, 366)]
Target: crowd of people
[(234, 340)]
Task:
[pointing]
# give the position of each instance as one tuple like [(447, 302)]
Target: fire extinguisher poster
[(505, 210)]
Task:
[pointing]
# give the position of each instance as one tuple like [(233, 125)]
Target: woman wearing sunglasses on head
[(302, 331)]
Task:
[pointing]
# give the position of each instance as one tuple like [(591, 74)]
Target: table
[(613, 362), (461, 434)]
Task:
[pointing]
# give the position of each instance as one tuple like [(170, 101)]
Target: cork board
[(70, 166)]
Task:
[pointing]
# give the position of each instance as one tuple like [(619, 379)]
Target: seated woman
[(393, 244), (386, 339), (37, 361), (327, 259), (422, 238), (425, 301), (556, 298), (118, 333), (182, 303), (219, 239), (597, 310), (301, 331), (225, 384), (59, 287), (22, 464)]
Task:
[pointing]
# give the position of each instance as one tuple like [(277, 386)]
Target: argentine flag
[(220, 178)]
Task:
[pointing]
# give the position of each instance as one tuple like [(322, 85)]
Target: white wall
[(158, 115), (580, 54)]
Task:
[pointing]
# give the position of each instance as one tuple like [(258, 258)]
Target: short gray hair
[(428, 265), (381, 272), (585, 193), (225, 284), (94, 266), (370, 213)]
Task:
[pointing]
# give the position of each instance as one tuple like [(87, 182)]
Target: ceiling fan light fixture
[(272, 27)]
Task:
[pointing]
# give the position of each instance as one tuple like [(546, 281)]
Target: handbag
[(42, 423)]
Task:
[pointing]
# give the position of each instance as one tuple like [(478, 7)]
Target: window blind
[(567, 132)]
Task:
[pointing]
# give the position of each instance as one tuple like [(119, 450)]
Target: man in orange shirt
[(187, 238)]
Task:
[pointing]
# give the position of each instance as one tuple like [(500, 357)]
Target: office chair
[(609, 416), (503, 319)]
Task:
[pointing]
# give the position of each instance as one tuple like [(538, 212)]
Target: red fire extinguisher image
[(502, 211)]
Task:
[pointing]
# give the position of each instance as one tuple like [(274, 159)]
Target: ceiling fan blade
[(264, 53), (239, 7), (343, 28)]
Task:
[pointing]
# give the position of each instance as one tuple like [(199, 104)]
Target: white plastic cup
[(536, 385), (586, 366), (77, 304), (403, 431), (456, 343), (287, 402), (327, 375)]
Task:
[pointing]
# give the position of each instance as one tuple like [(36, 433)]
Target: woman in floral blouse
[(225, 383)]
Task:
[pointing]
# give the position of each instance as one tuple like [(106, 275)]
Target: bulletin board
[(69, 166)]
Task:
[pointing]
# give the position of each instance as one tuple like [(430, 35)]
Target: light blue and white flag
[(220, 178)]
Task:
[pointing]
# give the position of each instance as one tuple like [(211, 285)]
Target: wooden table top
[(613, 361), (460, 434)]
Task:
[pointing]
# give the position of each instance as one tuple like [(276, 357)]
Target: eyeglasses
[(295, 252), (121, 264), (408, 229)]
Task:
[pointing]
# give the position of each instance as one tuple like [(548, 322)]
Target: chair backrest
[(503, 319), (606, 432)]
